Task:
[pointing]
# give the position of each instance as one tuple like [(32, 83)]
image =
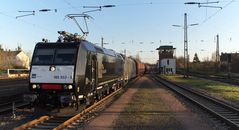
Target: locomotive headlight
[(70, 87), (34, 86), (52, 68)]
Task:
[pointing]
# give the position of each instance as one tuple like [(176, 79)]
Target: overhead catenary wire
[(71, 6), (135, 4), (223, 7), (27, 23), (148, 3), (214, 14)]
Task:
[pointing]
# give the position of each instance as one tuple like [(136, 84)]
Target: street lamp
[(177, 25), (186, 56)]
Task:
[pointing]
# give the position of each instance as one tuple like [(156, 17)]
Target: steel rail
[(32, 123), (224, 79), (8, 106), (78, 116), (7, 81), (58, 123), (218, 109)]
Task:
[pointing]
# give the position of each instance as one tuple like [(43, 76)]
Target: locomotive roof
[(89, 46), (55, 44)]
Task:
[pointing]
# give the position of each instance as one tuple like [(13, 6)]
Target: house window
[(167, 62)]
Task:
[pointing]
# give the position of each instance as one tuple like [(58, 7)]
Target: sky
[(137, 26)]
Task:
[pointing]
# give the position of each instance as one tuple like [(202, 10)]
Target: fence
[(12, 73)]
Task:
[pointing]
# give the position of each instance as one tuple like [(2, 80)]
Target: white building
[(22, 59), (167, 61), (168, 66), (17, 59)]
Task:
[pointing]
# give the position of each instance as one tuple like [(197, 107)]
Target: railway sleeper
[(236, 120), (43, 126), (233, 117), (219, 109), (52, 123), (226, 113), (229, 115)]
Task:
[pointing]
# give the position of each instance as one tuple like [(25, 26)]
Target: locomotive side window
[(43, 56), (65, 56)]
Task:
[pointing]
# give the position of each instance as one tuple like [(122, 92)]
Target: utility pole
[(217, 49), (217, 53), (102, 42), (185, 45), (125, 52), (186, 55)]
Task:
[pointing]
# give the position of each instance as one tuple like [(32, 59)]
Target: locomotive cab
[(53, 72)]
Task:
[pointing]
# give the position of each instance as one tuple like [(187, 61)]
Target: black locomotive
[(73, 71)]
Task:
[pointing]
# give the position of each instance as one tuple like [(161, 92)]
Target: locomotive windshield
[(65, 56), (43, 56), (60, 56)]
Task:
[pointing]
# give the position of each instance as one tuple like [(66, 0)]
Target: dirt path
[(145, 105)]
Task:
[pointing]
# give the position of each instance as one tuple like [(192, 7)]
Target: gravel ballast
[(147, 105)]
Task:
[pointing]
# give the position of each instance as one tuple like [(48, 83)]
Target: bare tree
[(180, 62), (213, 57)]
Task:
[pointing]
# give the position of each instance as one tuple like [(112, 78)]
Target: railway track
[(11, 92), (223, 112), (9, 88), (13, 81), (224, 79), (14, 104), (63, 122)]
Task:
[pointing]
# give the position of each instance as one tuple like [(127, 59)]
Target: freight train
[(72, 71)]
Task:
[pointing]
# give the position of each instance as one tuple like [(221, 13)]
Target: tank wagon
[(72, 71)]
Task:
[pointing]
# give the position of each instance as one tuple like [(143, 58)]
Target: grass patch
[(3, 72), (226, 91), (147, 111)]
